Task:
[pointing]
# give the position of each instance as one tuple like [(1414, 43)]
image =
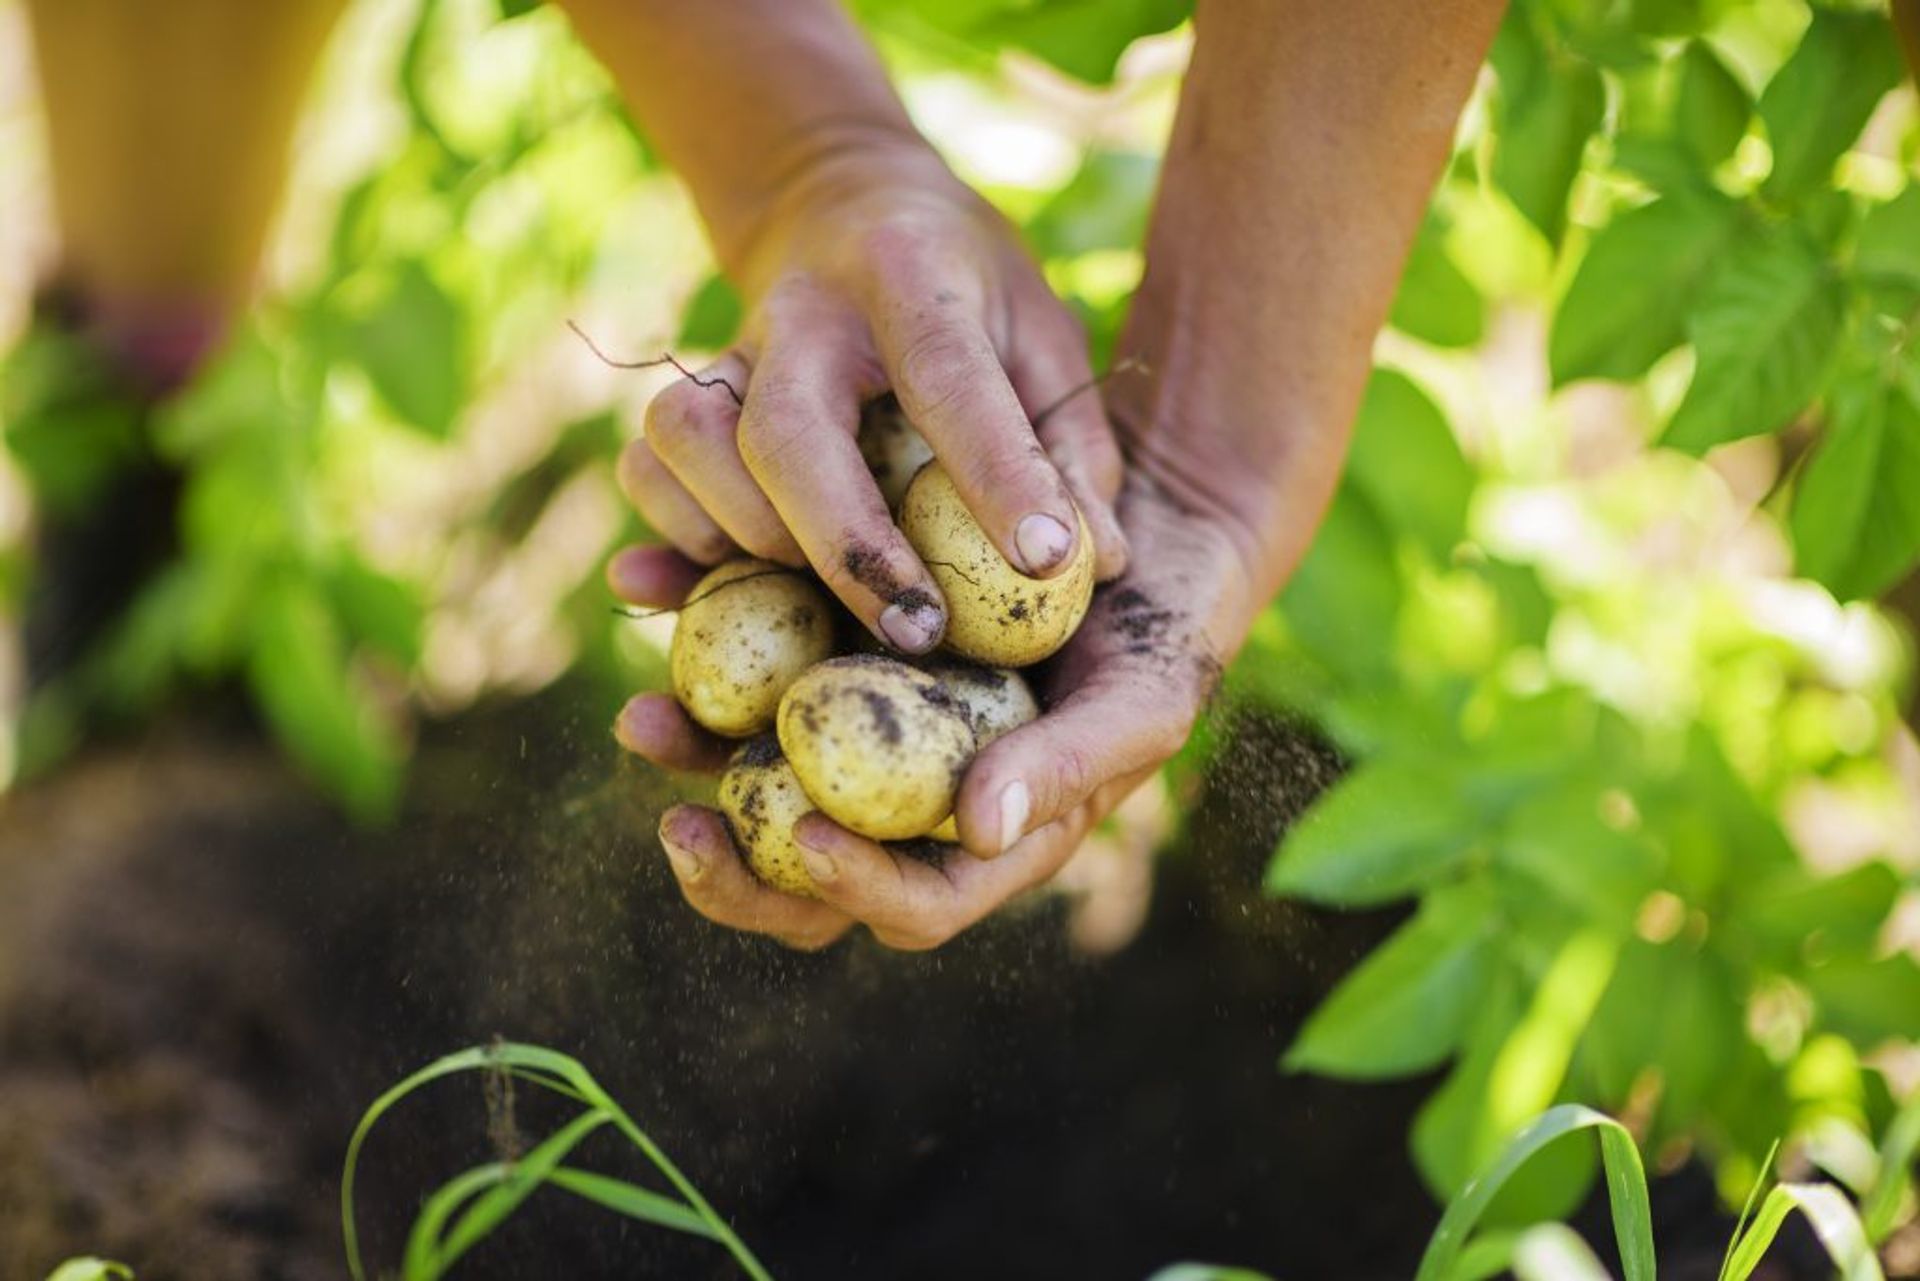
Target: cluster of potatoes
[(875, 742)]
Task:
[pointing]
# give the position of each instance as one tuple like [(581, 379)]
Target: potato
[(995, 614), (762, 799), (994, 700), (879, 746), (749, 628), (893, 450)]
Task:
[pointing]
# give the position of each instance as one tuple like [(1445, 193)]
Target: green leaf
[(1675, 17), (1084, 38), (1410, 1002), (1384, 831), (1342, 601), (1626, 1190), (1817, 103), (1436, 302), (300, 673), (1103, 206), (1881, 1208), (712, 316), (1868, 1002), (1764, 337), (1406, 461), (1547, 107), (1834, 1223), (1856, 505), (413, 346), (1555, 845), (511, 9), (1711, 108), (1889, 244), (380, 610), (91, 1269), (1627, 303), (1206, 1272), (1672, 1010)]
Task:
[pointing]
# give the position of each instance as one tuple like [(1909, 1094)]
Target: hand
[(1122, 697), (879, 270)]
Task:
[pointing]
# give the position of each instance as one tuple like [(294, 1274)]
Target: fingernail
[(1015, 805), (1043, 542), (687, 865), (913, 631), (820, 866)]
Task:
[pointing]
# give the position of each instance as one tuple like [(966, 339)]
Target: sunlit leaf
[(1711, 108), (1408, 1004), (1868, 1001), (1856, 503), (1436, 302), (1817, 103), (1405, 459), (1764, 335), (1103, 206), (1384, 831), (712, 316), (1889, 243), (413, 346), (1627, 304), (1548, 105)]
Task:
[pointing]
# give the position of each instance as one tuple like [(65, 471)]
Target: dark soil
[(204, 974)]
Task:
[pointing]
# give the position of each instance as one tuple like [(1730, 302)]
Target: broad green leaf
[(1868, 1001), (1342, 602), (1626, 1191), (1800, 910), (380, 610), (1764, 336), (1889, 243), (1670, 1009), (1103, 206), (1834, 1223), (1856, 505), (1675, 17), (1407, 1005), (1817, 103), (413, 346), (711, 317), (1548, 105), (1385, 830), (1436, 302), (1406, 461), (299, 671), (1555, 845), (1711, 109), (1627, 304), (1083, 38)]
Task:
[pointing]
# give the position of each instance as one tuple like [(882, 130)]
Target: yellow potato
[(995, 701), (749, 628), (879, 746), (761, 800), (995, 614), (892, 449)]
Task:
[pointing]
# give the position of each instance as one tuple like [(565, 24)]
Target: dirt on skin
[(204, 975)]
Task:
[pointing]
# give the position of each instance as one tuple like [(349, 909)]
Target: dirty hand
[(1122, 697), (874, 272)]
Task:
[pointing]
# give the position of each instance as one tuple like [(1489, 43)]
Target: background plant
[(1592, 614)]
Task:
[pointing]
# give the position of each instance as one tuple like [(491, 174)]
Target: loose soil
[(204, 974)]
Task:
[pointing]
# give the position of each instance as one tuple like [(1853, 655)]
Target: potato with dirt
[(893, 451), (878, 745), (761, 799), (747, 631), (995, 613), (995, 701)]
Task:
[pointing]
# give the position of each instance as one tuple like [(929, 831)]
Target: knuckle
[(1073, 775), (936, 369)]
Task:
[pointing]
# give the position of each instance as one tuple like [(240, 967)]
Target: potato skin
[(736, 650), (995, 614), (893, 451), (761, 799), (995, 701), (879, 746)]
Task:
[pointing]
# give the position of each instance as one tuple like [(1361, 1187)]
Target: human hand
[(1121, 698), (879, 270)]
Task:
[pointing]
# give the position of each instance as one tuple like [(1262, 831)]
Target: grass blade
[(523, 1177), (635, 1202), (1834, 1222), (441, 1206), (1897, 1152), (1746, 1211), (1626, 1185)]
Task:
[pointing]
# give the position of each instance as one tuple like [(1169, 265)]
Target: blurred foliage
[(1591, 612)]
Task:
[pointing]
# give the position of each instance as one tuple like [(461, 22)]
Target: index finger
[(925, 316)]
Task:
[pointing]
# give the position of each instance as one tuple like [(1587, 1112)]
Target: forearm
[(745, 97), (1308, 139)]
